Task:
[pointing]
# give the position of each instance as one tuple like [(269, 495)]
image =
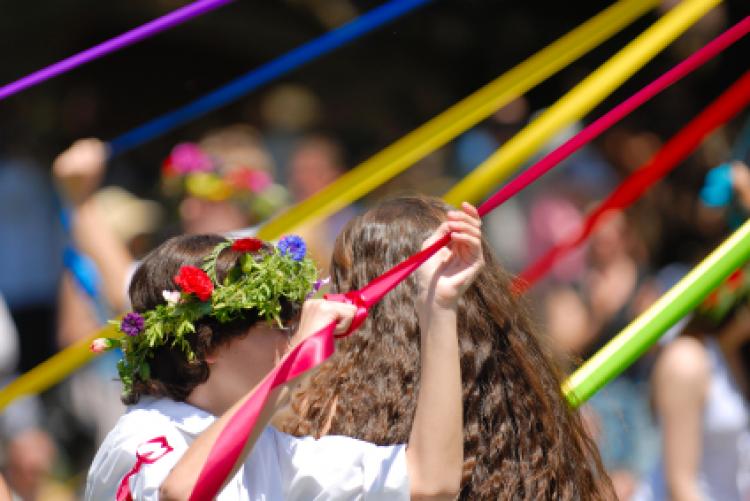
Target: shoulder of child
[(683, 367), (685, 358)]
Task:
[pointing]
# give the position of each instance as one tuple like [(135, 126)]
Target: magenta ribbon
[(228, 447), (123, 490), (131, 37)]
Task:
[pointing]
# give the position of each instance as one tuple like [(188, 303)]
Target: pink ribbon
[(228, 447), (123, 491)]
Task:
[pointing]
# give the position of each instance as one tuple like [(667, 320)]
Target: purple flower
[(132, 324), (317, 285), (293, 246)]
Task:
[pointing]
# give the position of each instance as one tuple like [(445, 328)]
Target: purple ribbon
[(149, 29)]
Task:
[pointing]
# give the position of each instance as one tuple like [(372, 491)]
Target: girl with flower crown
[(199, 342)]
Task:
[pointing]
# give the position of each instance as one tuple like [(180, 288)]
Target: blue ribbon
[(250, 81)]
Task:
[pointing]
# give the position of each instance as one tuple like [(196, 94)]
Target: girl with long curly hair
[(521, 439)]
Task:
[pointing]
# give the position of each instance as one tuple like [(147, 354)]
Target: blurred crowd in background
[(60, 198)]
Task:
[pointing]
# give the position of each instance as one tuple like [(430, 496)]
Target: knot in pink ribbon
[(355, 299)]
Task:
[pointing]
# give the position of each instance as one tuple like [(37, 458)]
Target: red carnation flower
[(247, 244), (193, 280)]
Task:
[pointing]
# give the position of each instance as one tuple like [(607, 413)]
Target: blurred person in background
[(616, 269), (505, 227), (617, 417), (316, 161), (611, 288), (288, 111), (700, 391), (223, 183), (28, 451), (31, 249), (31, 240)]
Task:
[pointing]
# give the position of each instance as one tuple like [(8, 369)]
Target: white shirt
[(280, 466)]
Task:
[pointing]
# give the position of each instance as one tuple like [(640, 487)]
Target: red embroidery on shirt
[(148, 457)]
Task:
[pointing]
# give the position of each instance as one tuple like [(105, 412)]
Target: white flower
[(171, 297)]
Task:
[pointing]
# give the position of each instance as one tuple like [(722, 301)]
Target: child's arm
[(180, 482), (78, 173), (435, 452)]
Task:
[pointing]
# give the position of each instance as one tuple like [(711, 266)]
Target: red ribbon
[(682, 144), (228, 447), (123, 491)]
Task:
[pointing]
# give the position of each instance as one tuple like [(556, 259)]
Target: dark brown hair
[(172, 374), (521, 440)]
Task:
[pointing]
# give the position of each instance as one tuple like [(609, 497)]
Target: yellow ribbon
[(579, 101), (457, 119), (54, 369), (389, 162)]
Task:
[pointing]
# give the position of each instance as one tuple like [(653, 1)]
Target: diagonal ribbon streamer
[(128, 38), (726, 106), (272, 70)]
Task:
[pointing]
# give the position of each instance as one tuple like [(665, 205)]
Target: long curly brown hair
[(522, 441)]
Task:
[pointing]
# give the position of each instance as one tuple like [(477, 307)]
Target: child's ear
[(210, 358)]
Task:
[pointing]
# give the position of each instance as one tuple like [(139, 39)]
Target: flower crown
[(190, 169), (726, 296), (262, 278)]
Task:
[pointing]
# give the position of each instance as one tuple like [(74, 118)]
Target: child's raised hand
[(317, 313), (446, 276), (79, 170)]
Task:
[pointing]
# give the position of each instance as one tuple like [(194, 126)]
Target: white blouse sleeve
[(336, 467)]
